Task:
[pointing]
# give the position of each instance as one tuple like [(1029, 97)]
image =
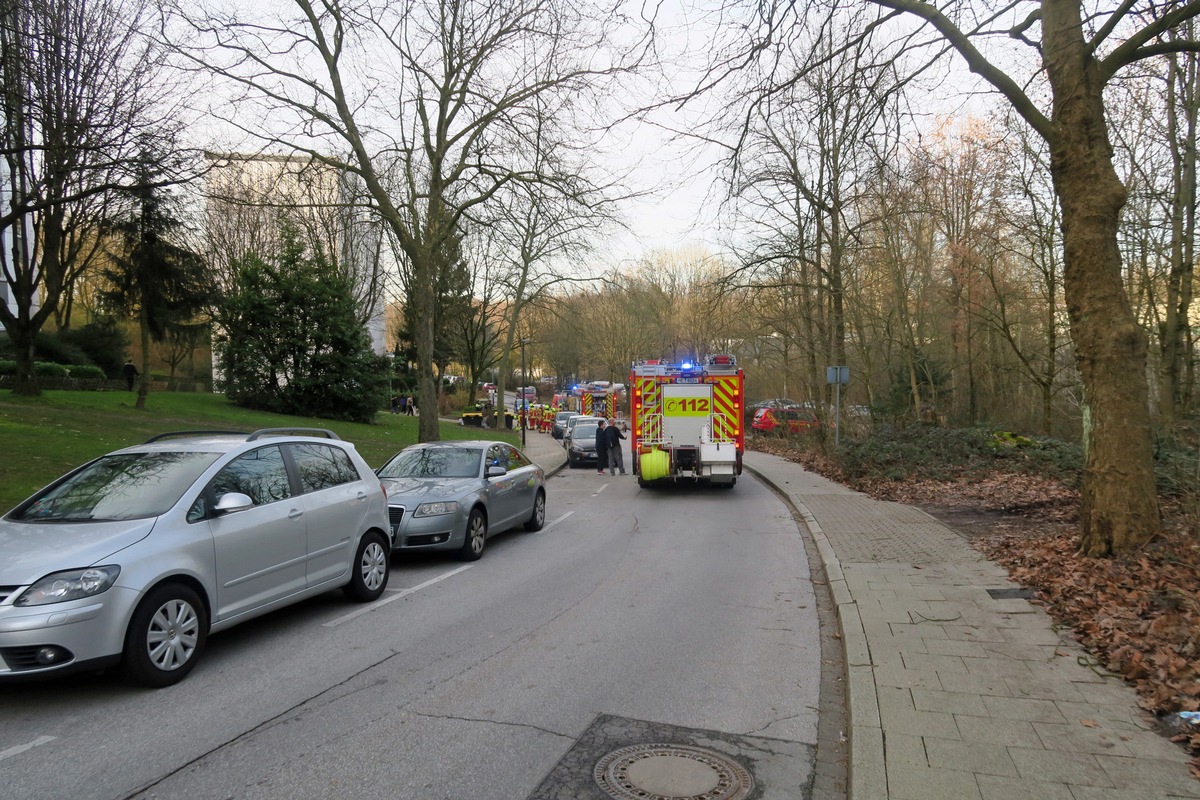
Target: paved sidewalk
[(545, 451), (956, 693)]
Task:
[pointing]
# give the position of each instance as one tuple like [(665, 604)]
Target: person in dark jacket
[(601, 448), (130, 372), (612, 441)]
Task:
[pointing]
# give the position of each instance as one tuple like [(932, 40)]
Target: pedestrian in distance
[(612, 440), (601, 448), (130, 372), (402, 404)]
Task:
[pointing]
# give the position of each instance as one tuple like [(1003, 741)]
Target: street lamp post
[(524, 400)]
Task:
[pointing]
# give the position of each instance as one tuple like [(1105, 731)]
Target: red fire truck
[(687, 420)]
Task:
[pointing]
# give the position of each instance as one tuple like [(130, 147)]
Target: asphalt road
[(689, 610)]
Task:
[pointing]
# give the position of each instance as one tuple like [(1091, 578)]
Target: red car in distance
[(784, 420)]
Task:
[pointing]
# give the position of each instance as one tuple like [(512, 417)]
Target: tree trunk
[(1119, 506), (26, 383), (144, 378)]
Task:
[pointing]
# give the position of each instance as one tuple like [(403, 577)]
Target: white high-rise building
[(250, 196)]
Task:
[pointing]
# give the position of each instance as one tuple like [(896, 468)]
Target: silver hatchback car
[(134, 558)]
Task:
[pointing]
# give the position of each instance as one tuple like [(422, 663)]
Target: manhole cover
[(671, 772)]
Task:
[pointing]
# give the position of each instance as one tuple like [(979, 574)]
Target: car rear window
[(119, 486)]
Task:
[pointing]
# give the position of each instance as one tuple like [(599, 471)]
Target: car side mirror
[(233, 501), (495, 471)]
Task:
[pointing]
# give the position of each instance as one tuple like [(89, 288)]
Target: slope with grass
[(43, 437)]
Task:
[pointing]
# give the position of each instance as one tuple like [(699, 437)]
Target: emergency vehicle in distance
[(687, 421)]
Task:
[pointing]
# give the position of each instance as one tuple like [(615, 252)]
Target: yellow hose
[(654, 465)]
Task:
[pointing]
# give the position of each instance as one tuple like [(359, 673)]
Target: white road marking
[(333, 623), (550, 525), (21, 748), (601, 489)]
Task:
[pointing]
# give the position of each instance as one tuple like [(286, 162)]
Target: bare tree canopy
[(79, 82), (437, 107), (1051, 61)]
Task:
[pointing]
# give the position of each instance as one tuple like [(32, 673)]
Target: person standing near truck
[(612, 441)]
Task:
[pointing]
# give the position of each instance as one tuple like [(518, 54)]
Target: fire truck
[(687, 421), (598, 402)]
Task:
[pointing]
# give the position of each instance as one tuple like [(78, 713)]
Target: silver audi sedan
[(135, 558), (454, 495)]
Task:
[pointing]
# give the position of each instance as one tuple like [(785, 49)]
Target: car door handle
[(361, 496), (295, 513)]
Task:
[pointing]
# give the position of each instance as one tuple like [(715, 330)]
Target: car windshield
[(434, 462), (122, 486)]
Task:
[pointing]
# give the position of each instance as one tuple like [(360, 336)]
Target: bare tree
[(1078, 55), (78, 84), (437, 106)]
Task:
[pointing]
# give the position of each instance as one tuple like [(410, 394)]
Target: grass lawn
[(43, 437)]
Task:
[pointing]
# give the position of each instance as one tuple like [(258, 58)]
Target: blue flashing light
[(686, 365)]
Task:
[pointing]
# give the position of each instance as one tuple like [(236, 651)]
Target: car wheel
[(476, 540), (369, 576), (538, 518), (165, 636)]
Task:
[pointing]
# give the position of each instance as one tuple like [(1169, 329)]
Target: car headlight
[(435, 509), (73, 584)]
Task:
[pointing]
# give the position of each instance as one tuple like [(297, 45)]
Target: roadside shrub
[(48, 369), (105, 344), (86, 371), (947, 453)]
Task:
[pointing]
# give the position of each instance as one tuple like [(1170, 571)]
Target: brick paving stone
[(1059, 767), (994, 731), (949, 702), (969, 757), (1076, 737), (906, 678), (953, 647), (973, 633), (905, 748), (974, 684), (998, 668), (1135, 773), (1101, 793), (908, 782), (1045, 689), (993, 787), (919, 723), (926, 630), (939, 664), (1026, 709)]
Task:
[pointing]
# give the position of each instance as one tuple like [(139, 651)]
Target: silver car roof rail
[(179, 434), (322, 432)]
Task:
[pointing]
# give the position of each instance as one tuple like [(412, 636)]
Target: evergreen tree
[(291, 342), (152, 277)]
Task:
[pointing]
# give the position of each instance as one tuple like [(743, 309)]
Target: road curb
[(866, 770)]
